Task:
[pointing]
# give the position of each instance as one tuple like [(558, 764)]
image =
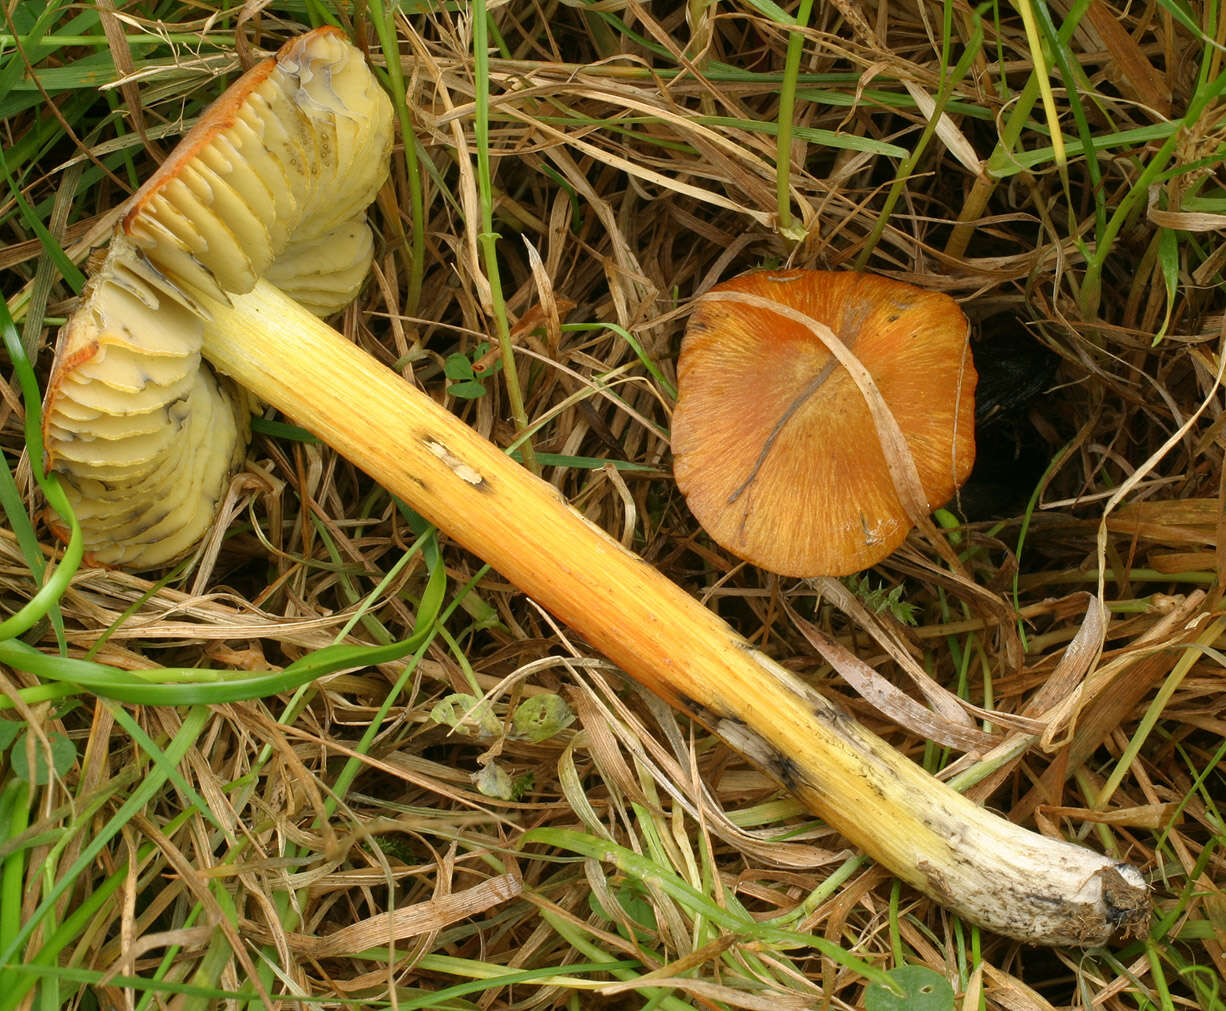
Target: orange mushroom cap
[(775, 446)]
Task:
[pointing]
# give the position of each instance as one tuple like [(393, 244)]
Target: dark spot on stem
[(785, 770), (704, 714)]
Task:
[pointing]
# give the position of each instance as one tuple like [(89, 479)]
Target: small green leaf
[(63, 754), (483, 613), (494, 781), (1168, 260), (9, 729), (540, 717), (923, 989), (635, 906), (882, 600), (773, 11), (458, 366), (393, 846), (523, 785), (282, 430), (467, 715), (468, 390)]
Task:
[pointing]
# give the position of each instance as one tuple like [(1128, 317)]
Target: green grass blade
[(640, 867), (144, 792), (487, 237), (176, 686), (787, 112)]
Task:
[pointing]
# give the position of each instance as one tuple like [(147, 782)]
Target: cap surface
[(774, 445)]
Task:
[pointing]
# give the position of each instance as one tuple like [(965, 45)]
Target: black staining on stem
[(704, 714), (937, 884), (831, 714), (747, 741), (755, 747), (786, 771), (1043, 899)]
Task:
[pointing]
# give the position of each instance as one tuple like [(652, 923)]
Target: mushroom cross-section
[(775, 444), (274, 180)]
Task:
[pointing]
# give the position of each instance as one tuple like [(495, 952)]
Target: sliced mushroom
[(275, 178)]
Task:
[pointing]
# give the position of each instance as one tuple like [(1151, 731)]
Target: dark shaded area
[(1015, 374)]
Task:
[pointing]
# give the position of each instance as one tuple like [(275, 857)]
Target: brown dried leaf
[(889, 699), (1011, 993), (1130, 66), (1146, 816), (423, 917)]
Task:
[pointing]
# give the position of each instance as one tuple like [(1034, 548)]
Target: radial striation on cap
[(775, 447)]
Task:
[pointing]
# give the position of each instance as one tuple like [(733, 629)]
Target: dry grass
[(632, 155)]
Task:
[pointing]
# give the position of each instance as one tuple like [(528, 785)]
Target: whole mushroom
[(779, 447)]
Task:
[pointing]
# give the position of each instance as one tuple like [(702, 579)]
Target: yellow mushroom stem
[(999, 875)]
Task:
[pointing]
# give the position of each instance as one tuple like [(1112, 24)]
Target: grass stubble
[(560, 194)]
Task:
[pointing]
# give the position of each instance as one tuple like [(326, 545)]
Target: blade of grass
[(1074, 82), (14, 820), (171, 686), (93, 977), (787, 112), (431, 615), (826, 138), (487, 237), (142, 794), (949, 79), (499, 976), (383, 18), (1006, 159), (1202, 99), (68, 270), (1038, 59), (45, 602), (635, 346), (97, 900), (1159, 702), (641, 867)]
